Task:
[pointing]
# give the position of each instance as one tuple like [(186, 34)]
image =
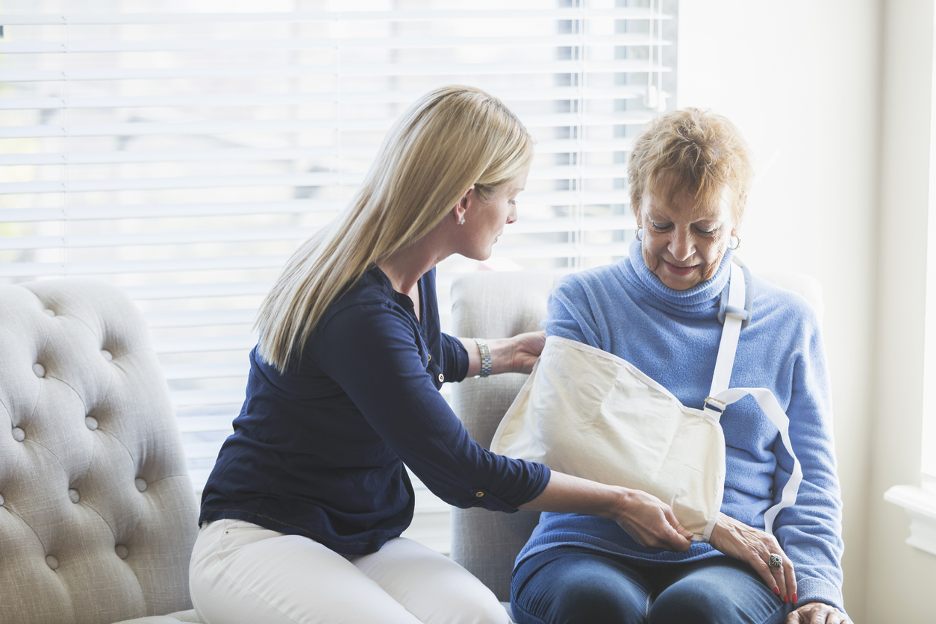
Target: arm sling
[(591, 414)]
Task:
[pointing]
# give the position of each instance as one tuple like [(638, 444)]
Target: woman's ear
[(459, 210)]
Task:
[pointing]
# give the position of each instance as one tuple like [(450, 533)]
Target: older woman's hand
[(817, 613), (754, 547)]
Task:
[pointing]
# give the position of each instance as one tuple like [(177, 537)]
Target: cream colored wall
[(801, 80), (901, 579)]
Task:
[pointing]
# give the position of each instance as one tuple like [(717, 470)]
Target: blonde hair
[(448, 140), (691, 151)]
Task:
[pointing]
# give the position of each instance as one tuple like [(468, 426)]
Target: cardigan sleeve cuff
[(818, 590), (456, 364)]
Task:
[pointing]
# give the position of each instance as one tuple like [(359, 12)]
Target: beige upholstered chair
[(97, 512), (497, 305)]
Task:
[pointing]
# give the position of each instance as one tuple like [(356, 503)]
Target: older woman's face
[(683, 243)]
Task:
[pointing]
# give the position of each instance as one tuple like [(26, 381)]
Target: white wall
[(801, 80), (901, 579)]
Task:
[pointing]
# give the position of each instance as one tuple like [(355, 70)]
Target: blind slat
[(454, 70), (210, 128), (216, 263), (266, 154), (152, 211), (97, 18), (297, 179), (324, 43), (205, 343), (297, 206), (340, 97)]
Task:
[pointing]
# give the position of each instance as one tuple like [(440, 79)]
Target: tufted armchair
[(97, 512), (497, 305)]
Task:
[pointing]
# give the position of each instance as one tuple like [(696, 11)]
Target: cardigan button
[(479, 493), (441, 377)]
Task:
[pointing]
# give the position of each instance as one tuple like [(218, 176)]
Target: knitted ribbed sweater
[(673, 337)]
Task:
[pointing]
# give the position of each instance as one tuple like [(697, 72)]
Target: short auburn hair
[(691, 151)]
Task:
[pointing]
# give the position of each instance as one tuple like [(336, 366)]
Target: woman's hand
[(645, 517), (526, 350), (754, 547), (817, 613), (508, 355), (651, 522)]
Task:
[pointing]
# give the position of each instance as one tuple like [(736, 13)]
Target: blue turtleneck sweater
[(673, 337)]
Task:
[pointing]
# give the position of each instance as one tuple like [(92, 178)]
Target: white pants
[(243, 573)]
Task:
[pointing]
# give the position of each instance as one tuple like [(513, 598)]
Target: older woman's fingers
[(789, 576)]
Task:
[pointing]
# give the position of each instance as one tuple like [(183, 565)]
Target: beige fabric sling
[(591, 414)]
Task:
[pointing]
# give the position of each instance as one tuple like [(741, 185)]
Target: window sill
[(920, 505)]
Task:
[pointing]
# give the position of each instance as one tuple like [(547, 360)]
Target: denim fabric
[(571, 584)]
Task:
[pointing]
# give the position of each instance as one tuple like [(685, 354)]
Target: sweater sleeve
[(370, 351), (568, 314), (810, 531)]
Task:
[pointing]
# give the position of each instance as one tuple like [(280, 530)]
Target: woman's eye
[(706, 231), (659, 226)]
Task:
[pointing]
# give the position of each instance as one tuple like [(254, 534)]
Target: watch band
[(485, 357)]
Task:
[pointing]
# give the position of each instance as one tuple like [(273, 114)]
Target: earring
[(461, 221), (638, 233), (734, 242)]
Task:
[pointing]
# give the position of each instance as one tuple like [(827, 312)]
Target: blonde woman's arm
[(508, 355), (645, 517)]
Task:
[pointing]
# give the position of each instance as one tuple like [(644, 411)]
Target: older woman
[(658, 309), (302, 515)]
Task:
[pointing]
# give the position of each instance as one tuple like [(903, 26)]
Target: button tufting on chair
[(1, 500), (94, 430)]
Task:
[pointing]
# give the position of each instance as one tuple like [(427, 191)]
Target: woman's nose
[(512, 215), (681, 245)]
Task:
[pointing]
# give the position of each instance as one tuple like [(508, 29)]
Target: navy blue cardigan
[(319, 451)]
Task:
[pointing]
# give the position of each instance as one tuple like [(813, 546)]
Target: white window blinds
[(184, 154)]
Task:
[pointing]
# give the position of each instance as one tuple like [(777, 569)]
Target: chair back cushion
[(97, 512), (493, 305)]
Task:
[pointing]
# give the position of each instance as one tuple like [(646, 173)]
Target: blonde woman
[(302, 515)]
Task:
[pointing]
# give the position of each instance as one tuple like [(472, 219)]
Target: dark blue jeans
[(569, 584)]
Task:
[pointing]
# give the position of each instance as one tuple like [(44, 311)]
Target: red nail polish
[(785, 598), (776, 590), (794, 598)]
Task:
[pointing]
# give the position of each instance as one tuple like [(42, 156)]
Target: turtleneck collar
[(696, 299)]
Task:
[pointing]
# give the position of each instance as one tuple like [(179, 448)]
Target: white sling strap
[(720, 395)]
